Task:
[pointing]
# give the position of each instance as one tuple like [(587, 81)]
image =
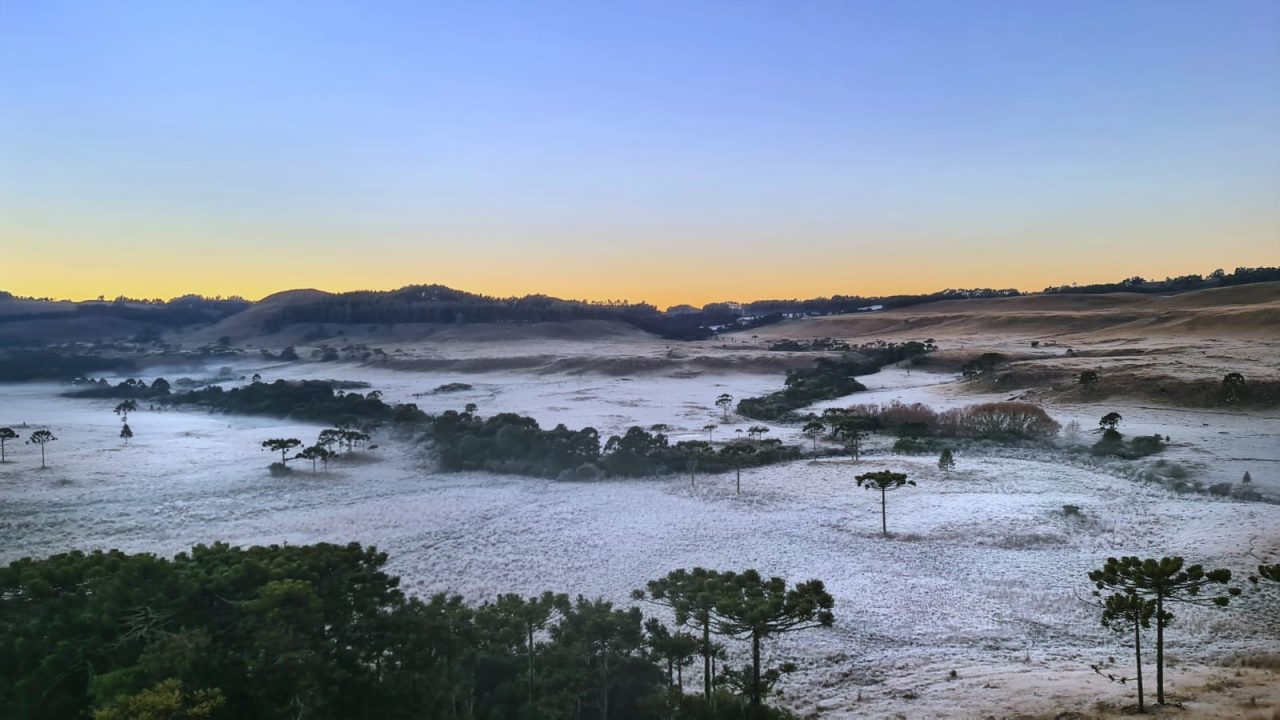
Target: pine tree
[(946, 461)]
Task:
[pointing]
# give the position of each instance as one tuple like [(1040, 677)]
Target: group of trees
[(1137, 283), (744, 606), (512, 443), (827, 379), (311, 400), (128, 389), (1112, 441), (322, 631), (330, 444), (1134, 593), (39, 438)]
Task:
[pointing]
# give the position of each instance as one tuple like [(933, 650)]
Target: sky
[(670, 152)]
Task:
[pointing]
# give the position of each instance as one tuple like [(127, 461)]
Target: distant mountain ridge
[(32, 321)]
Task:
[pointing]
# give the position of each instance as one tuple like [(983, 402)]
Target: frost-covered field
[(981, 577)]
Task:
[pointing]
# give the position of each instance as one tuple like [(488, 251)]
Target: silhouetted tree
[(282, 446), (724, 402), (126, 407), (126, 432), (710, 428), (1088, 379), (1123, 612), (752, 608), (6, 434), (41, 438), (1110, 421), (737, 452), (814, 429), (1246, 479), (692, 596), (884, 481), (1162, 581), (316, 453)]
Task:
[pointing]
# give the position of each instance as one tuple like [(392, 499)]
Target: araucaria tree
[(126, 432), (692, 596), (737, 452), (41, 438), (1123, 612), (884, 481), (316, 453), (6, 434), (752, 608), (724, 402), (1110, 421), (282, 446), (530, 617), (124, 408), (1163, 581), (814, 429), (853, 431)]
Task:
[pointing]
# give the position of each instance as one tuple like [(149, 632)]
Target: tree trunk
[(530, 628), (1137, 654), (680, 677), (42, 455), (706, 659), (1160, 649), (739, 480), (755, 669), (884, 521)]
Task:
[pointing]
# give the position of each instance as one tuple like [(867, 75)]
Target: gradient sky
[(660, 151)]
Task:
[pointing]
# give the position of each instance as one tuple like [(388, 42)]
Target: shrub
[(279, 469), (998, 421), (1221, 489), (911, 446), (914, 420)]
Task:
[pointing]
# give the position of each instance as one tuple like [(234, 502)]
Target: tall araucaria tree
[(6, 434), (282, 446), (41, 438), (884, 481), (692, 596), (1164, 581), (753, 608)]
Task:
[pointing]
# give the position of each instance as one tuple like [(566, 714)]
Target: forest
[(322, 631)]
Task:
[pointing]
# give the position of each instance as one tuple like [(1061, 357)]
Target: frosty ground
[(984, 574)]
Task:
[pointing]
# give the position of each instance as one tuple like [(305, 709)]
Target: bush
[(1222, 489), (911, 446), (998, 421), (279, 469)]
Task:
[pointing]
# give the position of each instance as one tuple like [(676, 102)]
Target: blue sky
[(661, 151)]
